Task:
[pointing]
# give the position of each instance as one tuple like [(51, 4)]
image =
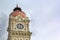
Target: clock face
[(20, 26)]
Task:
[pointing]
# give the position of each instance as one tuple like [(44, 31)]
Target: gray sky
[(44, 16)]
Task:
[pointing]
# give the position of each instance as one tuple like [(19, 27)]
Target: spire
[(17, 8)]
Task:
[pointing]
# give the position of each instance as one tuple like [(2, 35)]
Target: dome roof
[(17, 11)]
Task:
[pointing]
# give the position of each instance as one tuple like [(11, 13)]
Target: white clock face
[(20, 26)]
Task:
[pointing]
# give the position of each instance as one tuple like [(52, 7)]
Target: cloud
[(3, 25), (44, 16)]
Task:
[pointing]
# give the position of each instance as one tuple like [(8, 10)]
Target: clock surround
[(20, 26)]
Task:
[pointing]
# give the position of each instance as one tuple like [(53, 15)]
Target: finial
[(16, 5)]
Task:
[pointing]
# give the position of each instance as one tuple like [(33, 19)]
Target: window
[(24, 29), (15, 28), (22, 33), (16, 33), (13, 33), (27, 25), (25, 34), (19, 33)]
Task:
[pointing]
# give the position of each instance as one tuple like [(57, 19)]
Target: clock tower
[(18, 28)]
